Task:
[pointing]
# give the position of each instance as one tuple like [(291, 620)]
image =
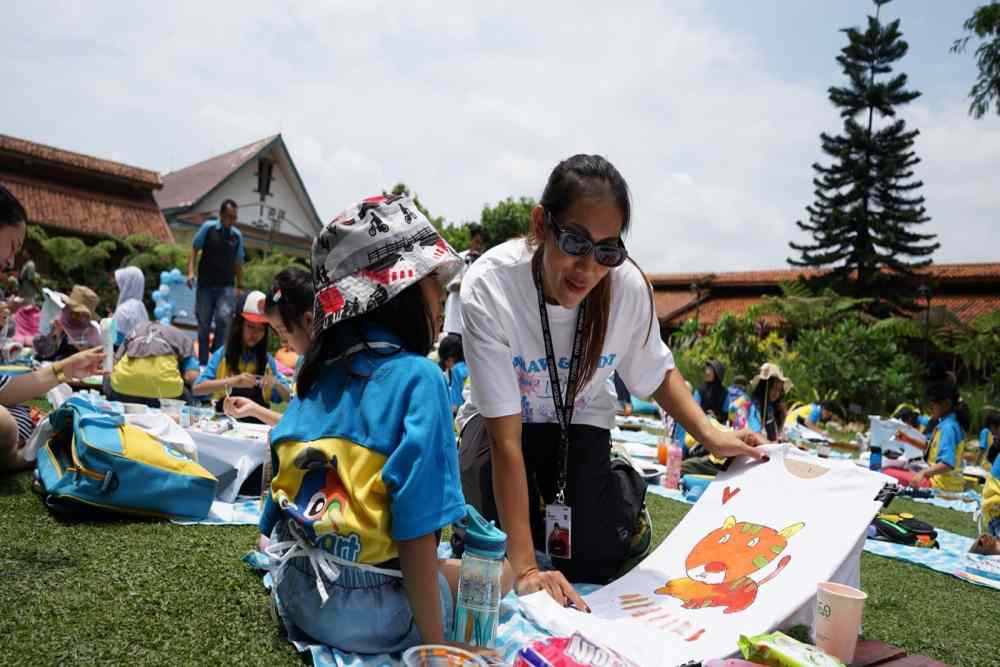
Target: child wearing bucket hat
[(243, 366), (73, 330), (365, 458)]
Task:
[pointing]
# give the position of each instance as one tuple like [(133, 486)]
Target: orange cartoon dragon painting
[(720, 566)]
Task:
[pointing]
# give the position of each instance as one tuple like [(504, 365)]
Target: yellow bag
[(149, 377)]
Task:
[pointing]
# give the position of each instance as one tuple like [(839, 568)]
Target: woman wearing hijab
[(713, 392), (130, 311)]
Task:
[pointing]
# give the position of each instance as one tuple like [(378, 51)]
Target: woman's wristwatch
[(58, 368)]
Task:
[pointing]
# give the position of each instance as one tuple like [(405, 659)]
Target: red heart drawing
[(728, 493)]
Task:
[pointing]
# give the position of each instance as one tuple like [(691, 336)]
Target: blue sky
[(711, 110)]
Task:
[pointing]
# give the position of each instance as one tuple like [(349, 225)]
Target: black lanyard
[(564, 410)]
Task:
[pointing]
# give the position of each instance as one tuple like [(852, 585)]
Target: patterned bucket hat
[(370, 253)]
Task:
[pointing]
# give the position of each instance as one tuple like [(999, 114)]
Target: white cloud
[(469, 104)]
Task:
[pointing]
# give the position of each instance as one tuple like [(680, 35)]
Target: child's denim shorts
[(366, 612)]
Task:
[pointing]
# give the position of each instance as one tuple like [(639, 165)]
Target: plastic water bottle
[(477, 608), (875, 458), (108, 340)]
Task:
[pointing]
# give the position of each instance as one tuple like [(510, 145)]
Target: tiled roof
[(40, 152), (968, 306), (947, 272), (86, 212), (185, 187), (667, 302)]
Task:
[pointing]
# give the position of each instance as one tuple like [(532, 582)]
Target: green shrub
[(865, 367)]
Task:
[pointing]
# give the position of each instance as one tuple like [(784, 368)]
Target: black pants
[(602, 523)]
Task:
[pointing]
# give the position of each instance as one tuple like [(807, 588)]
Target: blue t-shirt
[(221, 251), (985, 438), (456, 382), (367, 457), (948, 434), (218, 368)]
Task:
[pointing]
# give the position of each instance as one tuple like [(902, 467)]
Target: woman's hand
[(553, 583), (917, 480), (243, 381), (84, 364), (736, 443), (239, 407)]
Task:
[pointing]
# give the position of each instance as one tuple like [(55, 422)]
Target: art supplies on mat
[(746, 558), (575, 651), (779, 650)]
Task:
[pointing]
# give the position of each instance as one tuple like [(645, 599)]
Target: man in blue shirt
[(220, 274)]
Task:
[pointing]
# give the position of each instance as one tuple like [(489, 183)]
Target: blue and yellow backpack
[(96, 461)]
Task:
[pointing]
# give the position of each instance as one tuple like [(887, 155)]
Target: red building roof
[(968, 290), (81, 194)]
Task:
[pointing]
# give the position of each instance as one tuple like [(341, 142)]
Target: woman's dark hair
[(450, 347), (234, 344), (480, 231), (590, 176), (11, 211), (992, 420), (713, 394), (399, 315), (227, 203), (908, 416), (767, 408), (291, 296)]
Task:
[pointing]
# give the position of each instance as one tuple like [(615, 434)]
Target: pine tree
[(867, 204)]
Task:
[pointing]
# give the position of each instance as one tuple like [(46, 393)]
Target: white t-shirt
[(506, 352), (453, 304), (743, 560)]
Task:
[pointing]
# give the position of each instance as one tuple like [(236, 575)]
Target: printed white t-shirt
[(506, 352)]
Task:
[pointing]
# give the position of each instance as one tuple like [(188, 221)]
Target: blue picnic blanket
[(969, 502), (515, 629), (245, 511), (952, 558)]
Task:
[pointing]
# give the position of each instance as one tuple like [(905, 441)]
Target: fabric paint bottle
[(875, 458), (670, 455), (477, 604)]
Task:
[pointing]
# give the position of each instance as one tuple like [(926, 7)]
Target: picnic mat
[(952, 558), (244, 511), (968, 502), (515, 629)]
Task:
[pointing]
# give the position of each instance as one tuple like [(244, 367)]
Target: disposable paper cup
[(435, 655), (837, 620)]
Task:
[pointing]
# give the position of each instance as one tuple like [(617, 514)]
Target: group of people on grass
[(365, 467)]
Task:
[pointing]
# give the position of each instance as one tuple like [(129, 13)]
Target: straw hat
[(771, 371), (83, 301)]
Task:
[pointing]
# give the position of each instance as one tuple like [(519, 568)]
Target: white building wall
[(281, 206)]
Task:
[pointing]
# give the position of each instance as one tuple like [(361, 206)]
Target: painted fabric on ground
[(746, 557)]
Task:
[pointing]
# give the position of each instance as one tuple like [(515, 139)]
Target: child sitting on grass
[(288, 309), (365, 457), (944, 453), (243, 366)]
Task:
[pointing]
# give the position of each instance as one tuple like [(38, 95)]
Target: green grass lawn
[(152, 592)]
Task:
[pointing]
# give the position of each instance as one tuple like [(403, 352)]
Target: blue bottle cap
[(482, 537)]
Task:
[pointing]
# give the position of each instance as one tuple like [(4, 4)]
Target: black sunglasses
[(575, 244)]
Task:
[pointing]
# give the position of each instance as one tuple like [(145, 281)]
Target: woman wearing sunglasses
[(549, 318)]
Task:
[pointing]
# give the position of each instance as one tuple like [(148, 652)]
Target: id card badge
[(558, 531)]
